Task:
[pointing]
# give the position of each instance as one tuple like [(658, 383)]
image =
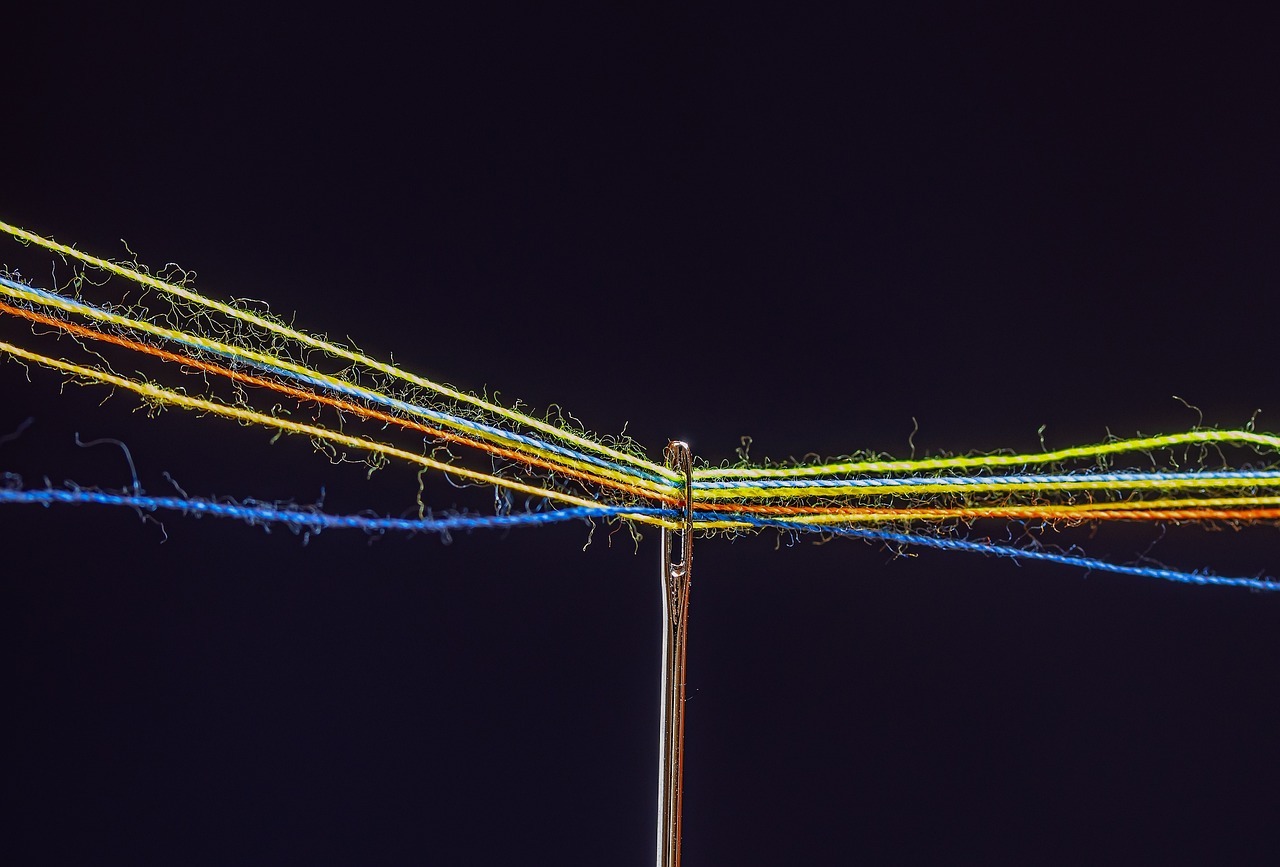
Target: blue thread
[(998, 550), (306, 519), (314, 520)]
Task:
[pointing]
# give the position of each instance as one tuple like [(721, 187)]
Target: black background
[(809, 229)]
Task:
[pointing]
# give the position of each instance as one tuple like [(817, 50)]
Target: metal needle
[(675, 625)]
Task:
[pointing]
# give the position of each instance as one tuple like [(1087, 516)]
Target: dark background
[(809, 229)]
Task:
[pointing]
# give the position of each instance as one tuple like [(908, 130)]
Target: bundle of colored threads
[(241, 364)]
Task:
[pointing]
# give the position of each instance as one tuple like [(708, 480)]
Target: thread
[(996, 549), (300, 373), (313, 520), (168, 397), (1200, 437), (344, 406), (331, 349), (837, 498), (777, 488)]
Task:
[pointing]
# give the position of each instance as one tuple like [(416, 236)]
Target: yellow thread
[(250, 355), (325, 346), (169, 397), (1208, 436)]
